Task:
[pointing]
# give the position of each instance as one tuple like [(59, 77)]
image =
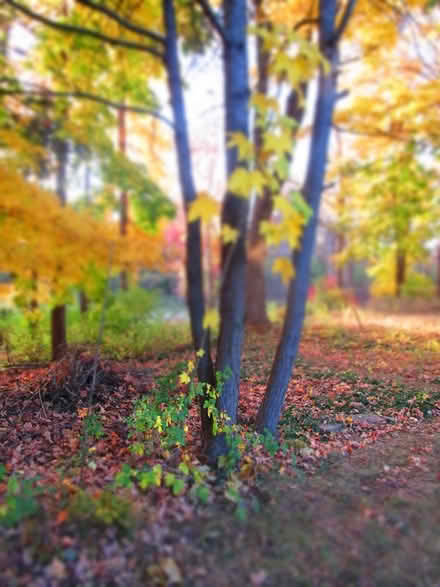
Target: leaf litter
[(351, 391)]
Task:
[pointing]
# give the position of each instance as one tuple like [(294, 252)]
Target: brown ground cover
[(347, 501)]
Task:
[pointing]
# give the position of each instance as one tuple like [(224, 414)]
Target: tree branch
[(44, 93), (212, 17), (344, 20), (131, 26), (305, 22), (68, 28)]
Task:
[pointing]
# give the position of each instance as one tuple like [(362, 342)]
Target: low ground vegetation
[(102, 479)]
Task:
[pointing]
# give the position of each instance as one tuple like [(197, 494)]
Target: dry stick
[(42, 402), (85, 434)]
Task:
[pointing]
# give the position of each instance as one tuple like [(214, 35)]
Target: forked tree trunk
[(270, 409), (193, 262), (234, 214), (58, 313)]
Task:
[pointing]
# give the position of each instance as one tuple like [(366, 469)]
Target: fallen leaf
[(171, 570)]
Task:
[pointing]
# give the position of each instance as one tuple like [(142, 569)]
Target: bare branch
[(212, 17), (68, 28), (305, 22), (376, 133), (44, 93), (131, 26), (342, 94), (344, 20)]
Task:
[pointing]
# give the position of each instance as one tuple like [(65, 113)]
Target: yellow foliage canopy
[(58, 243)]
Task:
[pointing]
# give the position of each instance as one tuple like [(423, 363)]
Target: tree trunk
[(83, 302), (270, 409), (340, 244), (193, 262), (438, 270), (58, 313), (234, 214), (83, 299), (33, 306), (58, 332), (400, 271), (123, 219), (256, 313)]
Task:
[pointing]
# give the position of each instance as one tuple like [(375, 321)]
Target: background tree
[(393, 213)]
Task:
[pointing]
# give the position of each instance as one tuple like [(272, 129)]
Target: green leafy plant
[(20, 499), (92, 426), (103, 509)]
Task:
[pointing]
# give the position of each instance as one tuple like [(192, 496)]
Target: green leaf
[(183, 468), (178, 487)]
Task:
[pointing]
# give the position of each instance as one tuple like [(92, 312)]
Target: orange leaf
[(61, 517)]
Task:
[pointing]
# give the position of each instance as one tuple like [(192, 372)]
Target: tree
[(245, 175), (330, 34), (393, 213), (256, 314)]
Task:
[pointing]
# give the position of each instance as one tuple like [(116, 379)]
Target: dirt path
[(371, 519)]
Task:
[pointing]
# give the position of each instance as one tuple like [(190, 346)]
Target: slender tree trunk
[(33, 306), (256, 313), (83, 299), (83, 302), (123, 219), (340, 244), (270, 409), (193, 263), (438, 270), (58, 313), (400, 271), (234, 213)]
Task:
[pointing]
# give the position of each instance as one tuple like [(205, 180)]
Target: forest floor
[(351, 500)]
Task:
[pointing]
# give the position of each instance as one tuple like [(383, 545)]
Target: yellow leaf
[(263, 103), (243, 182), (244, 145), (200, 353), (211, 319), (284, 267), (204, 207), (158, 424), (184, 378), (229, 234), (278, 143)]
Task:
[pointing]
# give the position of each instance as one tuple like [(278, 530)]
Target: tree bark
[(58, 313), (340, 243), (123, 219), (256, 313), (270, 409), (234, 214), (193, 262), (83, 302), (400, 271), (438, 270)]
